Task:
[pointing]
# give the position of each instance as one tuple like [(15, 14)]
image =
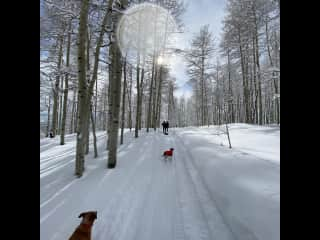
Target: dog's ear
[(92, 215), (82, 215)]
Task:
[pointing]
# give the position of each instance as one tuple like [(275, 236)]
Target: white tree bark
[(123, 100), (115, 90), (65, 99), (56, 88), (48, 122), (93, 124), (136, 130), (82, 94)]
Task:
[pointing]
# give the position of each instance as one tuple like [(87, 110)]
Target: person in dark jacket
[(51, 134), (166, 127), (163, 126)]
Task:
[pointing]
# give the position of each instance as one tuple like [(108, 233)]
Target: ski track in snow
[(148, 198)]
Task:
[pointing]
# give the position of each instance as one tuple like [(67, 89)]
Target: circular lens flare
[(160, 60), (146, 30)]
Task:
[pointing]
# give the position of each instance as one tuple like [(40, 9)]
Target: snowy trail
[(210, 223), (244, 187), (145, 197)]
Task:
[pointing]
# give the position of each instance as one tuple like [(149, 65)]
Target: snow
[(260, 141), (244, 186), (207, 191), (275, 96)]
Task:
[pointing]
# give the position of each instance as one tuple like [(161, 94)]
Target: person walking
[(166, 127), (163, 126)]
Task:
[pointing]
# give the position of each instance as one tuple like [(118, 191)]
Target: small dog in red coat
[(168, 153)]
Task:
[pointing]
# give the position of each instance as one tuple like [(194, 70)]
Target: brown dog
[(83, 231)]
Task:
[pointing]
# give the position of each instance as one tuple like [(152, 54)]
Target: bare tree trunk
[(248, 108), (104, 119), (82, 115), (150, 95), (96, 64), (218, 100), (258, 65), (230, 95), (273, 75), (110, 102), (268, 43), (169, 113), (48, 122), (202, 89), (88, 104), (251, 94), (76, 115), (115, 90), (244, 80), (87, 134), (206, 106), (94, 134), (60, 106), (277, 102), (239, 101), (95, 96), (158, 105), (159, 112), (141, 98), (136, 130), (73, 114), (65, 100), (123, 99), (227, 129), (104, 23), (227, 120), (260, 94), (255, 83), (96, 103), (213, 108), (130, 99), (154, 113), (266, 109), (145, 115), (56, 89)]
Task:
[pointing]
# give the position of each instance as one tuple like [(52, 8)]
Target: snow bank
[(260, 141)]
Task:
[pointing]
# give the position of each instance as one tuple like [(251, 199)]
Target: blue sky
[(198, 13)]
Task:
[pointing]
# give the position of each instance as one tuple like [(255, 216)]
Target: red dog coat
[(168, 153)]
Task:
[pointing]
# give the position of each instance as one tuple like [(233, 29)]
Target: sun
[(145, 30), (160, 60)]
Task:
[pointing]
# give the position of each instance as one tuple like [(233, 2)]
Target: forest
[(88, 84)]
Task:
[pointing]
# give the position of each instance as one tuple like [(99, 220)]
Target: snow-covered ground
[(207, 191), (260, 141)]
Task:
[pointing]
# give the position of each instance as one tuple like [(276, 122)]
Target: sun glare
[(160, 60)]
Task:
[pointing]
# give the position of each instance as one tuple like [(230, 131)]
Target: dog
[(168, 154), (83, 231)]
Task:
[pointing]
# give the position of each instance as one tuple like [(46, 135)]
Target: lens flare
[(144, 31)]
